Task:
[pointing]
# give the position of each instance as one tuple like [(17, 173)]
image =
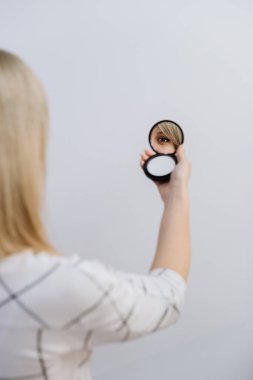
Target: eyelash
[(159, 138)]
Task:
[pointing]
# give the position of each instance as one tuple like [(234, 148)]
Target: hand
[(179, 177)]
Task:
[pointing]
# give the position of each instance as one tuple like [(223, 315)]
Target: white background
[(111, 70)]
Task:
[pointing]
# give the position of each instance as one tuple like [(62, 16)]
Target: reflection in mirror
[(166, 136)]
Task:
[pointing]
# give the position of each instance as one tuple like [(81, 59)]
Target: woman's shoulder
[(63, 273), (28, 260), (57, 289), (29, 257)]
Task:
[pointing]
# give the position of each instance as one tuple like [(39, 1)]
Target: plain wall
[(111, 70)]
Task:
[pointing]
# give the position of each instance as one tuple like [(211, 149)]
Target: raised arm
[(121, 306), (173, 249)]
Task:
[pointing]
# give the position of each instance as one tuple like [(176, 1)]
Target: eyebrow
[(160, 133)]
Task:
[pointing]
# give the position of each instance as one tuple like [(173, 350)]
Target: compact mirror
[(164, 138)]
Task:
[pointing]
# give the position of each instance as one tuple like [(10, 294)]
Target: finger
[(144, 157), (149, 152), (181, 153), (146, 154)]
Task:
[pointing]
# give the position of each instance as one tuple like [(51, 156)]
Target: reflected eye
[(161, 139)]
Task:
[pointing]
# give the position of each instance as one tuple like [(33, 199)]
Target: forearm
[(173, 248)]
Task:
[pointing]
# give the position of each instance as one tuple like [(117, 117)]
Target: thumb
[(181, 153)]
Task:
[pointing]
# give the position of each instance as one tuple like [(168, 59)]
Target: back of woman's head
[(23, 143)]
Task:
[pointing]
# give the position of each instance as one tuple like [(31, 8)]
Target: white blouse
[(55, 309)]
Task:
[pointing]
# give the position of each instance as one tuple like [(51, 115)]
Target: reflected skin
[(161, 143)]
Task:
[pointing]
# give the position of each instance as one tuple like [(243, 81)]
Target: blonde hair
[(172, 132), (23, 140)]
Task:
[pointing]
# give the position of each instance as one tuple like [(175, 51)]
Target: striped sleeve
[(132, 305)]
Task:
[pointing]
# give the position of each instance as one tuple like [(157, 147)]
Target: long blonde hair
[(23, 141)]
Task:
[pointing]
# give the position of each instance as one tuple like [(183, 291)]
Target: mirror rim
[(155, 125), (161, 178)]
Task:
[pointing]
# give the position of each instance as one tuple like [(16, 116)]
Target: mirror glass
[(161, 165), (165, 137)]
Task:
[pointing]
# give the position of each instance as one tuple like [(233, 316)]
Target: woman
[(53, 309)]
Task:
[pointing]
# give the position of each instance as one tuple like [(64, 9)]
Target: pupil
[(162, 139)]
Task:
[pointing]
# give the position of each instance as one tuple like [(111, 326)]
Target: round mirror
[(161, 166), (165, 137)]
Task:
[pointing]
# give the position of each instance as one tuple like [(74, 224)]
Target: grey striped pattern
[(93, 304)]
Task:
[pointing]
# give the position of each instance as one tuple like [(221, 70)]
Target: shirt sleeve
[(131, 305)]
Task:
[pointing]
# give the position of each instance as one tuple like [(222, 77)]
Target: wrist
[(178, 191)]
